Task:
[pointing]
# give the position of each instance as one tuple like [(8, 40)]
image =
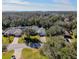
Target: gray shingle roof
[(19, 30), (13, 31)]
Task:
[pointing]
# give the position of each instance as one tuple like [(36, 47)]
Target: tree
[(57, 48), (4, 48), (55, 30)]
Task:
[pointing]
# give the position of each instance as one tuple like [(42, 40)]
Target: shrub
[(4, 48)]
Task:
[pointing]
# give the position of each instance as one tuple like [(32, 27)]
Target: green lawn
[(21, 40), (32, 54), (7, 55), (35, 37), (5, 40)]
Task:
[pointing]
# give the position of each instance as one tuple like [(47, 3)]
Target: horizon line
[(42, 11)]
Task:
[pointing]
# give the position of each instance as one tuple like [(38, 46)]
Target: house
[(13, 32), (17, 32), (66, 20), (41, 31), (36, 28), (9, 32), (67, 36)]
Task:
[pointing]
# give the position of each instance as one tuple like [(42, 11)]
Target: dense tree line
[(44, 19)]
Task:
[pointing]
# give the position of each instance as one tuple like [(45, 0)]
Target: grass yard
[(7, 55), (5, 40), (32, 54), (21, 40), (35, 37)]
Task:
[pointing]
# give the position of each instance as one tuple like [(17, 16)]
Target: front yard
[(32, 54), (7, 55), (7, 40)]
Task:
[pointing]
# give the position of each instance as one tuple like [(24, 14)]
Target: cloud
[(19, 5), (62, 1), (15, 2)]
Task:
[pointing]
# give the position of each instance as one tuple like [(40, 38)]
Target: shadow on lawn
[(32, 42)]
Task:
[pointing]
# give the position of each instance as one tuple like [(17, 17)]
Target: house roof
[(41, 31), (13, 31), (19, 30), (35, 28), (67, 33)]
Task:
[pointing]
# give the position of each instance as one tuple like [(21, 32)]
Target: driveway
[(17, 47), (15, 41), (43, 39)]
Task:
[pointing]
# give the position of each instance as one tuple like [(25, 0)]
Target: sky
[(39, 5)]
